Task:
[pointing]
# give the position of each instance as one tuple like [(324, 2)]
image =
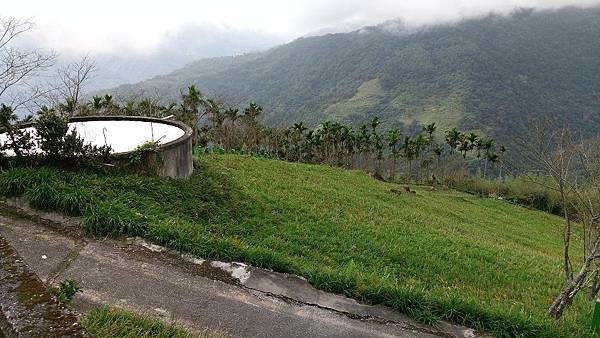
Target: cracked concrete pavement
[(231, 298)]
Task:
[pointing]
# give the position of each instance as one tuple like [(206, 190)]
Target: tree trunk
[(485, 169), (573, 286), (566, 236), (595, 286)]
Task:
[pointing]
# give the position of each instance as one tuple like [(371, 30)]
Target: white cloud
[(121, 25)]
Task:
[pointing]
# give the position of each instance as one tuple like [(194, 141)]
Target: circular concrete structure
[(125, 133)]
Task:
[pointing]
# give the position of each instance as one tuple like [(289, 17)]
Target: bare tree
[(18, 67), (548, 149), (586, 191), (73, 77), (574, 167)]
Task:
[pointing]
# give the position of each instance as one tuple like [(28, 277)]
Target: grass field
[(109, 323), (481, 262)]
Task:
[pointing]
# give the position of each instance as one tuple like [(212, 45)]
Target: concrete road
[(233, 299)]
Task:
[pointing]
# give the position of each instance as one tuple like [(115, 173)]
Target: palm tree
[(393, 142), (376, 143), (193, 98), (297, 139), (438, 150), (490, 157), (349, 144), (473, 139), (96, 103), (408, 147), (486, 145), (500, 157), (253, 111), (67, 107), (251, 114), (464, 145), (419, 144), (107, 100), (363, 143), (375, 122), (299, 127), (189, 113), (232, 115), (453, 137), (430, 129)]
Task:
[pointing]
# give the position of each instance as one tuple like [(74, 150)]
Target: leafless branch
[(17, 66), (73, 78)]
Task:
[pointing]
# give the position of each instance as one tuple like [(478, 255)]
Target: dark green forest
[(489, 75)]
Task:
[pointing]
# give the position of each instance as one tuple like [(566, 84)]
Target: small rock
[(468, 333), (44, 256)]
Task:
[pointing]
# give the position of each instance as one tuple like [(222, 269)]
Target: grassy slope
[(482, 262)]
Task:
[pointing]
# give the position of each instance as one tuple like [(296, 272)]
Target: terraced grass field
[(437, 255)]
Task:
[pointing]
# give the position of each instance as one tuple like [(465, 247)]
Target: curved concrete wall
[(175, 156)]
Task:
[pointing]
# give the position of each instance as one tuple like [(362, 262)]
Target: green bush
[(65, 292), (61, 146)]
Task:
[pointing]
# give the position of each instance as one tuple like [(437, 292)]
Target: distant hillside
[(488, 74)]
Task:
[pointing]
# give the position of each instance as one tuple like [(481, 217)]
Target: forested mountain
[(489, 74)]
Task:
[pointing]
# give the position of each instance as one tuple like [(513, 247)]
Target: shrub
[(51, 129), (63, 146), (18, 140)]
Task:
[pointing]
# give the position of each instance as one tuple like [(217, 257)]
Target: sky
[(115, 26)]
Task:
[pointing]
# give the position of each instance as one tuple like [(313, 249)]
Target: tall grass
[(108, 323), (531, 191)]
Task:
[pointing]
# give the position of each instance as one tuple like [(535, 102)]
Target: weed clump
[(65, 291)]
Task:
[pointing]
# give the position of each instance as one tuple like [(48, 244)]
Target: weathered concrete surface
[(26, 307), (176, 160), (231, 298)]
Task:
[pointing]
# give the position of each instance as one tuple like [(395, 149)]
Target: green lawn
[(434, 255)]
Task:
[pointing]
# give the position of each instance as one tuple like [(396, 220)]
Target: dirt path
[(230, 298)]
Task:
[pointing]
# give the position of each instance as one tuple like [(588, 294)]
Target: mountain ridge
[(489, 74)]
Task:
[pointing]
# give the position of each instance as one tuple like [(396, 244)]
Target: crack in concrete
[(66, 262), (350, 315), (230, 270)]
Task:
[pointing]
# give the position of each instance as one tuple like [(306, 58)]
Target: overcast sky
[(142, 25)]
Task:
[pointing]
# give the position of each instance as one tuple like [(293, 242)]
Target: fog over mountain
[(131, 43), (189, 44)]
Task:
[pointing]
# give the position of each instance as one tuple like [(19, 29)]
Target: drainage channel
[(26, 307)]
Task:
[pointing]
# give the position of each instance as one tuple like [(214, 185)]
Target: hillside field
[(446, 255)]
